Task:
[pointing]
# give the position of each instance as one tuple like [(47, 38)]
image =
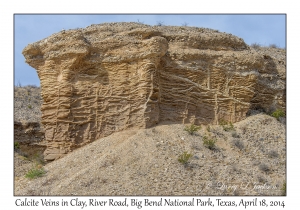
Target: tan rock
[(110, 77)]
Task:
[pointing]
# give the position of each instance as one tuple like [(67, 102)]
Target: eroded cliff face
[(110, 77)]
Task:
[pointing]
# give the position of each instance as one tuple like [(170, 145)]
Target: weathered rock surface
[(110, 77)]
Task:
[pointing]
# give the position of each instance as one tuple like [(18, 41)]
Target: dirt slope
[(249, 160)]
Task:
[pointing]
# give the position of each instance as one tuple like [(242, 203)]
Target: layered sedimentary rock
[(110, 77)]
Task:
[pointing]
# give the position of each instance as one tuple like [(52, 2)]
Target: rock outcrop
[(110, 77)]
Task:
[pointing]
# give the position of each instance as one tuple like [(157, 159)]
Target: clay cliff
[(110, 77)]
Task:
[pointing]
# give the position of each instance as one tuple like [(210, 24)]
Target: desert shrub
[(185, 24), (273, 154), (35, 173), (38, 158), (230, 127), (184, 158), (222, 122), (273, 46), (239, 144), (192, 129), (160, 23), (19, 84), (235, 135), (261, 178), (278, 113), (226, 126), (256, 45), (16, 145), (138, 20), (209, 142), (264, 167), (208, 129), (32, 86)]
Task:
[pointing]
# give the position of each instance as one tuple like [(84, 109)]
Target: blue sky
[(262, 29)]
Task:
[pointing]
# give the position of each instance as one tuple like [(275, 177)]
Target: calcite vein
[(110, 77)]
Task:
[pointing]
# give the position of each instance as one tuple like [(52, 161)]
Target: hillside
[(27, 103), (246, 159)]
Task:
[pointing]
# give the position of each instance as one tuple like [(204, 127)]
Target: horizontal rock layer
[(110, 77)]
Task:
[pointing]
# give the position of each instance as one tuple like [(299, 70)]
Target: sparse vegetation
[(209, 142), (229, 127), (283, 189), (138, 20), (208, 128), (235, 135), (264, 167), (273, 46), (255, 45), (226, 126), (261, 178), (160, 23), (184, 158), (185, 24), (239, 144), (35, 172), (192, 129), (273, 154), (16, 145), (38, 159), (278, 113)]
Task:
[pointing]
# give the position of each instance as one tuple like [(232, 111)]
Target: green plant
[(192, 129), (222, 122), (226, 126), (283, 189), (208, 129), (29, 106), (16, 145), (278, 113), (38, 159), (184, 158), (209, 142), (35, 172)]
